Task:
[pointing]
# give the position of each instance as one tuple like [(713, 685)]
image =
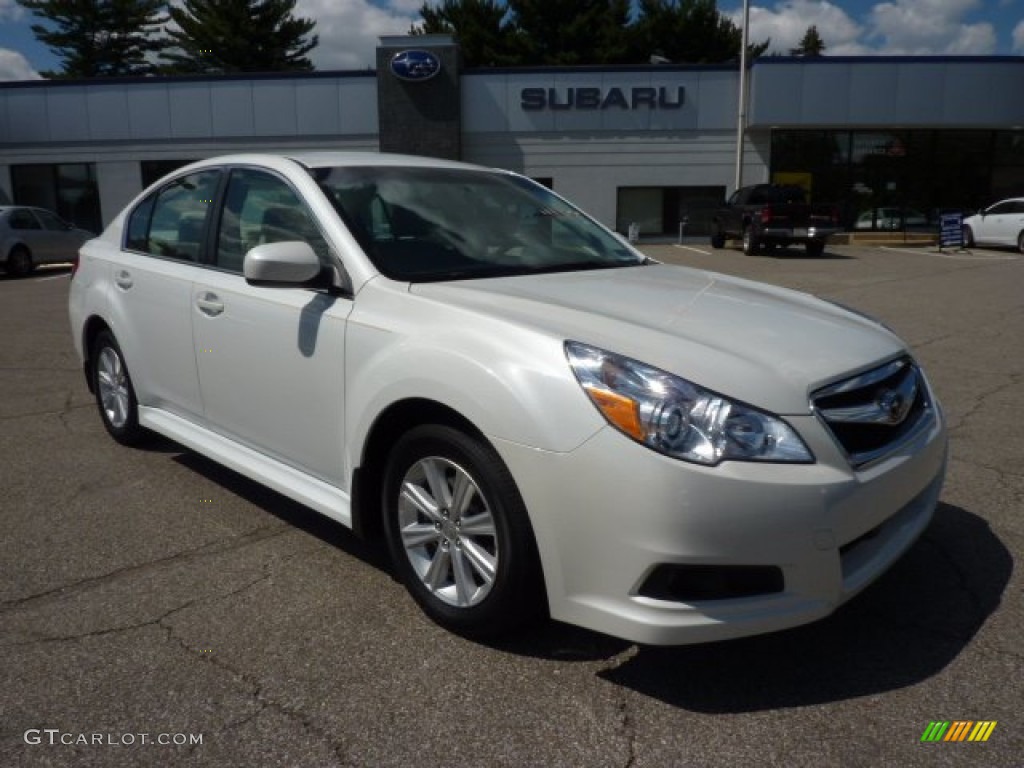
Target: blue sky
[(349, 29)]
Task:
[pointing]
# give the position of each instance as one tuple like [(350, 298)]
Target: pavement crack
[(255, 689), (101, 632), (65, 409), (981, 400), (217, 547)]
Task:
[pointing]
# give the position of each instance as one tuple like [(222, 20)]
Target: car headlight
[(678, 418)]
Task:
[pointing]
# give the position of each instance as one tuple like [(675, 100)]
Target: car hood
[(766, 346)]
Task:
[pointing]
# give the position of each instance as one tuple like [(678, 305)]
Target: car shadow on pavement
[(291, 512), (903, 629)]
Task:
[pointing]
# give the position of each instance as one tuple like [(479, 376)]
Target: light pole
[(741, 121)]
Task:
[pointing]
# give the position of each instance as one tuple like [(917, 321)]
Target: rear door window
[(172, 223)]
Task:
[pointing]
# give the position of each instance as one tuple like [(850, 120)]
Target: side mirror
[(289, 263)]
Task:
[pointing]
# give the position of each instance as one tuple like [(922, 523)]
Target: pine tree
[(690, 31), (99, 38), (811, 44), (567, 32), (218, 36), (480, 26)]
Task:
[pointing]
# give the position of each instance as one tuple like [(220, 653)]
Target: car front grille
[(873, 414)]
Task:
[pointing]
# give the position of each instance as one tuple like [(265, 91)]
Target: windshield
[(424, 224)]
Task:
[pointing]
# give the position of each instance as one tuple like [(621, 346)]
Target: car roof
[(329, 158)]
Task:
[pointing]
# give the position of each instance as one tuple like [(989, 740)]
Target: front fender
[(511, 383)]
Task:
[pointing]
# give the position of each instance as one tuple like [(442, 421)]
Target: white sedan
[(999, 224), (535, 417)]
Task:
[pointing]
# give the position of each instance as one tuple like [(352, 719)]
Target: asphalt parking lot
[(150, 592)]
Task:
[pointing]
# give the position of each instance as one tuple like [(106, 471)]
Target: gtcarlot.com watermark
[(56, 737)]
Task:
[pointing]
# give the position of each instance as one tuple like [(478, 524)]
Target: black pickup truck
[(767, 215)]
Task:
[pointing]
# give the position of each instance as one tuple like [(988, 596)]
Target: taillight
[(766, 214)]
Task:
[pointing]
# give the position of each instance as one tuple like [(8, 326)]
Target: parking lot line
[(957, 255), (701, 251)]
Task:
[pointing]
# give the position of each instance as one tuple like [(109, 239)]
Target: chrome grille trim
[(874, 414)]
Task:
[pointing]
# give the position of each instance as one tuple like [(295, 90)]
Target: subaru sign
[(415, 65)]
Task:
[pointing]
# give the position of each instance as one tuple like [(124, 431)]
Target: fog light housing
[(695, 583)]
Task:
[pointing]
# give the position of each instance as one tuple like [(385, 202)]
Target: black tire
[(19, 261), (968, 237), (815, 248), (751, 245), (718, 240), (514, 595), (1020, 242), (119, 409)]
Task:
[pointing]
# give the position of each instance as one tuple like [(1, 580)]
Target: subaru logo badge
[(415, 65), (893, 405)]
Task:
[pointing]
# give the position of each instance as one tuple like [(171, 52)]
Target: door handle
[(123, 279), (209, 304)]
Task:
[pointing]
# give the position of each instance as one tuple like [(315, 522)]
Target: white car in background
[(538, 419), (999, 224)]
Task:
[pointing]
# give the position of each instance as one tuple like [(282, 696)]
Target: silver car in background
[(33, 236)]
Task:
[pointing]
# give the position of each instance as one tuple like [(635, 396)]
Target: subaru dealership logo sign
[(415, 65)]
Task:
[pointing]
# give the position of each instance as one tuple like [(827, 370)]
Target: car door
[(27, 228), (995, 225), (271, 360), (1016, 223), (151, 291), (61, 243)]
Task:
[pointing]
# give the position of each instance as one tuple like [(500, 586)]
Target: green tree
[(690, 31), (238, 36), (567, 32), (482, 28), (99, 38), (811, 44)]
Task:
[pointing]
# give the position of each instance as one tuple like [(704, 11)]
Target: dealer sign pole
[(741, 122)]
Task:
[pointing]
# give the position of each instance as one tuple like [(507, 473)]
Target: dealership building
[(651, 145)]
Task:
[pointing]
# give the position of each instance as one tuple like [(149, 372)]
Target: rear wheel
[(968, 237), (458, 533), (718, 240), (750, 242), (19, 261), (115, 395), (815, 248), (1020, 242)]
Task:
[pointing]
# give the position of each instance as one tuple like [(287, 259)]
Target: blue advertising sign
[(951, 230)]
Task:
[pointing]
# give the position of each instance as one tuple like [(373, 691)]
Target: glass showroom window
[(69, 189)]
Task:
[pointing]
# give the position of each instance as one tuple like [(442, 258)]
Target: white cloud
[(349, 30), (894, 27), (788, 21), (1018, 37), (908, 27), (407, 7), (10, 10), (14, 66)]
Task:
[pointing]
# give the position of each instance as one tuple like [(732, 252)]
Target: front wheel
[(815, 248), (458, 533), (718, 240), (1020, 242), (115, 394), (968, 237)]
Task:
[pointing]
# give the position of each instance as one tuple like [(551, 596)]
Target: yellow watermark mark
[(958, 730)]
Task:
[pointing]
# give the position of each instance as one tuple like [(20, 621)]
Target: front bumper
[(609, 513)]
